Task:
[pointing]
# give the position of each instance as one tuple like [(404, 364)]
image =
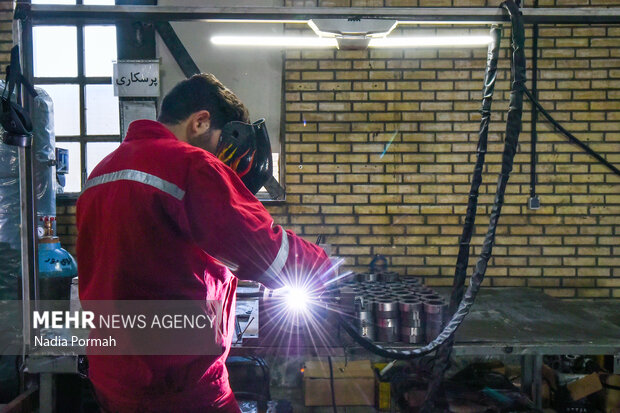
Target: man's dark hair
[(202, 92)]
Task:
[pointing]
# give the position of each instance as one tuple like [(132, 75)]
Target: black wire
[(534, 133), (331, 383), (266, 372), (569, 135)]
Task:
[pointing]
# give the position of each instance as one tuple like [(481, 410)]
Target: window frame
[(82, 81)]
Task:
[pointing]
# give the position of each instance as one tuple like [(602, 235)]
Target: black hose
[(570, 136), (513, 129), (460, 274), (462, 261)]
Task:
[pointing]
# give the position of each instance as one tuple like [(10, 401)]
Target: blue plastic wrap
[(44, 171), (45, 190)]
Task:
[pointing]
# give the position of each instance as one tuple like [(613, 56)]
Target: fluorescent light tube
[(323, 42), (275, 41), (264, 21)]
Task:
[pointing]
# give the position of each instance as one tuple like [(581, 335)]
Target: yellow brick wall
[(6, 33), (343, 107)]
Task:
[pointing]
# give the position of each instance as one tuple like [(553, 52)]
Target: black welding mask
[(14, 119), (245, 148)]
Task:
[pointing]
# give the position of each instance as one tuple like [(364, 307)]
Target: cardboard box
[(384, 390), (585, 386), (354, 383)]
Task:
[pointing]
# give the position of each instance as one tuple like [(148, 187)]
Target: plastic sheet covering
[(44, 143), (45, 190), (9, 193)]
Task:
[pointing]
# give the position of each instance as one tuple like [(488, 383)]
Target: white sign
[(136, 78)]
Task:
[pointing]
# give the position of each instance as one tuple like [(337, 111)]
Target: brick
[(593, 292), (370, 209), (560, 292), (374, 219), (318, 199), (391, 96), (559, 271)]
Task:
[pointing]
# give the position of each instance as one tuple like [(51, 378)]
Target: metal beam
[(176, 48), (449, 15)]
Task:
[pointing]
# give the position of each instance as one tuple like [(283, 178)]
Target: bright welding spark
[(388, 144), (297, 299), (299, 307)]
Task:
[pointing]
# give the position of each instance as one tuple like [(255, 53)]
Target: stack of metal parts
[(388, 308)]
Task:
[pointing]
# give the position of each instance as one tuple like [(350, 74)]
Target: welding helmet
[(245, 148)]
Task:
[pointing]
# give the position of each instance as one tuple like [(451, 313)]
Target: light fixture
[(331, 42), (261, 21), (351, 34), (299, 42)]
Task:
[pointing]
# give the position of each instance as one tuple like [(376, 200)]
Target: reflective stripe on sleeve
[(278, 263), (138, 176)]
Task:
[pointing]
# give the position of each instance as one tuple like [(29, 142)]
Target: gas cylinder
[(56, 266)]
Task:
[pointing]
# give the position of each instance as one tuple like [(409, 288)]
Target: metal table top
[(526, 321), (521, 321)]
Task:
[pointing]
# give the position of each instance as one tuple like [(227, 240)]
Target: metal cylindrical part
[(406, 297), (349, 295), (363, 317), (431, 297), (364, 324), (379, 295), (375, 286), (411, 335), (411, 313), (367, 277), (387, 330), (386, 309), (411, 281), (369, 331), (388, 277), (361, 304), (368, 285), (438, 307), (435, 313), (412, 322), (411, 307)]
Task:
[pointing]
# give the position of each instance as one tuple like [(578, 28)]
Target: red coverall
[(157, 220)]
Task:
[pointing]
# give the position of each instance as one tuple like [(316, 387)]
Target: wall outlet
[(534, 203)]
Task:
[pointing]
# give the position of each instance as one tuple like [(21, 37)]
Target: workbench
[(503, 321)]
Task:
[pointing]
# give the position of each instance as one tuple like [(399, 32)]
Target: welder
[(163, 218)]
